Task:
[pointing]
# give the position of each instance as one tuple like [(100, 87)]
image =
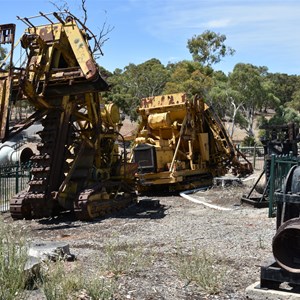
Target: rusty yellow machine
[(79, 167), (182, 144)]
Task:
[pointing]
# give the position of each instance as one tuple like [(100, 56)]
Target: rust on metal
[(286, 245), (181, 143), (61, 80), (7, 33), (4, 98)]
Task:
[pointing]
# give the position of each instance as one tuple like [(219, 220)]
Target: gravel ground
[(238, 238)]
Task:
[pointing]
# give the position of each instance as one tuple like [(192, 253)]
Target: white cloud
[(221, 23)]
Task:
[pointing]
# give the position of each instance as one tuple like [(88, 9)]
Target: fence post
[(272, 186), (2, 188), (17, 178), (254, 156)]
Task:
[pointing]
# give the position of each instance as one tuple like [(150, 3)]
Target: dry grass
[(201, 269), (13, 257)]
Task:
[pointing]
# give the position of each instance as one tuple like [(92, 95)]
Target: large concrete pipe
[(10, 153), (286, 242)]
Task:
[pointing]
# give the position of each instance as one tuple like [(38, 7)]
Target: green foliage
[(209, 47), (237, 96), (13, 257), (248, 141), (246, 79), (285, 115), (284, 86), (135, 82), (190, 77), (246, 91), (295, 102)]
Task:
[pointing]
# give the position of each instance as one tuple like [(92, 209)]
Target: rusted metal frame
[(60, 142), (71, 171), (82, 53), (94, 112), (86, 30), (36, 116), (4, 105), (28, 23), (84, 133), (94, 115), (171, 169), (7, 30), (11, 28), (46, 17), (80, 116), (37, 101)]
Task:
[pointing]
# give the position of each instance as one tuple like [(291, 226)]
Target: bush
[(13, 257), (249, 141)]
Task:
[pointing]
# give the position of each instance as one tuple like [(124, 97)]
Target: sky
[(263, 33)]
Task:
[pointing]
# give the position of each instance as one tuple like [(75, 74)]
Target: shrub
[(13, 257)]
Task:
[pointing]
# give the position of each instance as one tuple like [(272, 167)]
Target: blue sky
[(263, 33)]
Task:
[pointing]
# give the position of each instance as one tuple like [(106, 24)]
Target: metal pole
[(17, 178), (254, 156), (272, 185)]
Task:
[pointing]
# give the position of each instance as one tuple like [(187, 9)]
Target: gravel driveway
[(238, 240)]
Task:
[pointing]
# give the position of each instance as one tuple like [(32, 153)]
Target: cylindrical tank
[(10, 154), (159, 120), (286, 242), (111, 114)]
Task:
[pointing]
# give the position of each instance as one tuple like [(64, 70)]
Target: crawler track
[(92, 198)]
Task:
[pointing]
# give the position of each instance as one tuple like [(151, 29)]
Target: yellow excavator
[(181, 143), (79, 167)]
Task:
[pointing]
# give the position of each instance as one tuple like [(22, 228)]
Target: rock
[(51, 250)]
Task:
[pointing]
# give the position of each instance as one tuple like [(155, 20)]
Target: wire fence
[(255, 154), (13, 179)]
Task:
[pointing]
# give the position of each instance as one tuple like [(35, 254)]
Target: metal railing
[(280, 166), (13, 179)]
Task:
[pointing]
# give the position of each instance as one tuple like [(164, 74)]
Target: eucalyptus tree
[(190, 77), (134, 82), (247, 81), (295, 102), (209, 48), (226, 101), (284, 86), (244, 92)]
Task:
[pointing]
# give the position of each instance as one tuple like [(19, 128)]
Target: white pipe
[(10, 155), (186, 196)]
